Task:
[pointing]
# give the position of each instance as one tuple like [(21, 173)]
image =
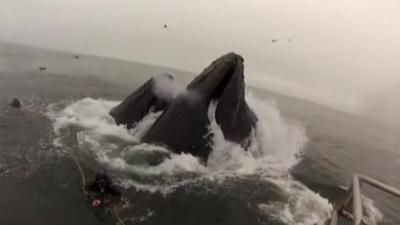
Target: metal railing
[(354, 194)]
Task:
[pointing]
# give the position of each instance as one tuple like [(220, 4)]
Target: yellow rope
[(80, 171), (117, 216), (84, 184)]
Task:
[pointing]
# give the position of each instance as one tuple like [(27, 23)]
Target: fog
[(340, 53)]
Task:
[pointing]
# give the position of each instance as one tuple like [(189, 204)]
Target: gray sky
[(342, 53)]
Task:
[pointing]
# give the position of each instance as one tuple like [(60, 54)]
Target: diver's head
[(102, 179)]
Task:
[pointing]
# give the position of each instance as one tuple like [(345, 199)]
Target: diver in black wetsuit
[(103, 190)]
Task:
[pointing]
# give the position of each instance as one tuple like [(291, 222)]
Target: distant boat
[(42, 68)]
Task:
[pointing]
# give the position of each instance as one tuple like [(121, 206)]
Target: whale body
[(184, 124)]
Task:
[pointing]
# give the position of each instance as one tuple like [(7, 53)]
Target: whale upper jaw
[(216, 77), (223, 81)]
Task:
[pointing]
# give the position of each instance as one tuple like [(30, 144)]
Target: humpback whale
[(140, 102), (184, 124)]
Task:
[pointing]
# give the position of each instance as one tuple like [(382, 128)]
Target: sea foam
[(277, 145)]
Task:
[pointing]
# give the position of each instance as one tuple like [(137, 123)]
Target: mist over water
[(339, 53)]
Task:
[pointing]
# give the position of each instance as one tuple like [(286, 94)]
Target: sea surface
[(295, 173)]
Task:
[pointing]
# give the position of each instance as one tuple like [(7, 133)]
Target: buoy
[(16, 103)]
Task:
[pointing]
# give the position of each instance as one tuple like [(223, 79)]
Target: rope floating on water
[(117, 216), (78, 165)]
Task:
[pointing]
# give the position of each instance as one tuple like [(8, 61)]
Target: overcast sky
[(342, 53)]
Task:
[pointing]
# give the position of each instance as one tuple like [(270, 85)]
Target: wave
[(277, 145)]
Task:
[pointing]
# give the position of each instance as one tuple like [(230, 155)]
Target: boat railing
[(355, 197)]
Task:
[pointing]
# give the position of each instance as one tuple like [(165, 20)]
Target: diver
[(103, 191)]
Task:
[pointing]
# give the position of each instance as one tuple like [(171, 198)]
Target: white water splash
[(303, 206), (144, 125), (91, 115), (166, 87), (277, 145), (372, 214)]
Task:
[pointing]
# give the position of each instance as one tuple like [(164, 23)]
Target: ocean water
[(302, 156)]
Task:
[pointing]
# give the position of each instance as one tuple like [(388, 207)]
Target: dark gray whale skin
[(184, 124), (138, 104)]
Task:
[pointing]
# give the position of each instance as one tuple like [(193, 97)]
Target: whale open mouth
[(184, 123)]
